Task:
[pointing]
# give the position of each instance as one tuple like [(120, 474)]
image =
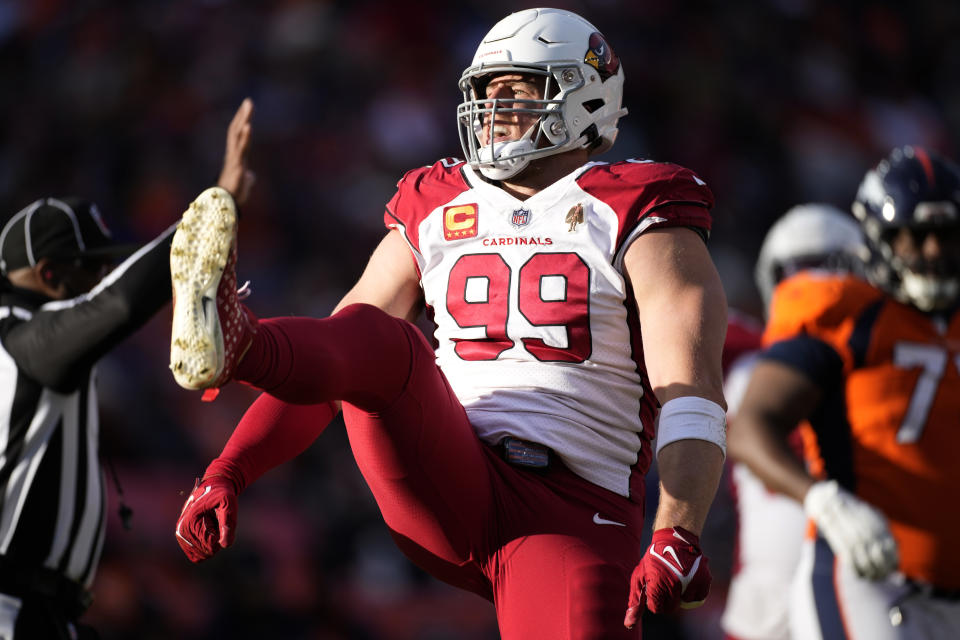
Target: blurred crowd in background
[(772, 102)]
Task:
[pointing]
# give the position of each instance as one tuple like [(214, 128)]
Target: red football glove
[(209, 518), (673, 573)]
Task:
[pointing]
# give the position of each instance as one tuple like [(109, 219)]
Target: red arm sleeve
[(270, 433)]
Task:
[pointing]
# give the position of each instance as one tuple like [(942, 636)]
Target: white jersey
[(536, 329)]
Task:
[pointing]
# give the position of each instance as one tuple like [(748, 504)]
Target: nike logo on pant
[(598, 520)]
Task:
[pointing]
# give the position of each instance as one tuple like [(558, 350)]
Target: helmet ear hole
[(593, 105), (593, 137)]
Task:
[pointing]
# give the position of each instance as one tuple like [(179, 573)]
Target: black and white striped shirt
[(52, 498)]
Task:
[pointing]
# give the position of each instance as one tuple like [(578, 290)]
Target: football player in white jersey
[(771, 526), (576, 308)]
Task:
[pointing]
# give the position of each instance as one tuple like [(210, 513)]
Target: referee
[(58, 316), (60, 312)]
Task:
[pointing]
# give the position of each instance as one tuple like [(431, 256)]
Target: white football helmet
[(809, 236), (582, 93)]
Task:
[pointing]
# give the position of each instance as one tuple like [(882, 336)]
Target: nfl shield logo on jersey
[(520, 217)]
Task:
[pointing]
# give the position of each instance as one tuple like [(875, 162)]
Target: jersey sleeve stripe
[(391, 221), (622, 247)]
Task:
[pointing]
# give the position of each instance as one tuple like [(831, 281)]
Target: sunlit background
[(772, 102)]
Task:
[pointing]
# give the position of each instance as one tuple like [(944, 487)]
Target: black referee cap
[(57, 229)]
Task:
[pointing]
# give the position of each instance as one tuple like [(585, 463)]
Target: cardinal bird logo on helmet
[(601, 57)]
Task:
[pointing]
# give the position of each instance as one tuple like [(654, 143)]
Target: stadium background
[(772, 102)]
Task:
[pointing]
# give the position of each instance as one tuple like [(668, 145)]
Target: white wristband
[(692, 418)]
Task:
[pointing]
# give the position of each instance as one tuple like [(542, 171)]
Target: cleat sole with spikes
[(199, 252)]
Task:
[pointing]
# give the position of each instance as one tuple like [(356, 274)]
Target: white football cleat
[(211, 330)]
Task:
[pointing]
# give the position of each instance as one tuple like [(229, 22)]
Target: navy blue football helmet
[(916, 190)]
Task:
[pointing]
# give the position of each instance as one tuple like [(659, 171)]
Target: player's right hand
[(208, 519), (857, 532), (673, 573), (236, 175)]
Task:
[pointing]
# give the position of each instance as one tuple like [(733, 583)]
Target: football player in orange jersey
[(874, 366), (770, 526)]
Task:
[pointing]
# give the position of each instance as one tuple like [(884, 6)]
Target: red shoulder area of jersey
[(422, 190), (820, 304), (636, 189)]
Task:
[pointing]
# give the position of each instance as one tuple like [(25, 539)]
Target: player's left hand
[(208, 519), (858, 533), (673, 573)]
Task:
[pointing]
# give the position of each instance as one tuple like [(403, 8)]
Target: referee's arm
[(63, 339)]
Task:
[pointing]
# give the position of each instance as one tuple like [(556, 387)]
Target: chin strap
[(497, 168)]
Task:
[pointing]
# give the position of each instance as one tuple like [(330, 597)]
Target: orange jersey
[(888, 425)]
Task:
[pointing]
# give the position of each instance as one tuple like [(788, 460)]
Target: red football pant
[(524, 539)]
